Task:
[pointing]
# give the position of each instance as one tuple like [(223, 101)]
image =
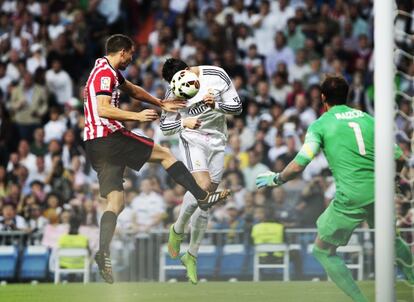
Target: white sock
[(198, 228), (187, 209)]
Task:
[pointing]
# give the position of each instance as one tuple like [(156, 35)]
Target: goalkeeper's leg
[(337, 270)]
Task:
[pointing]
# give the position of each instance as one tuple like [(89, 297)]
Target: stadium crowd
[(276, 53)]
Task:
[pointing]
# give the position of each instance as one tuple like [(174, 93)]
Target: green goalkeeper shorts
[(335, 225)]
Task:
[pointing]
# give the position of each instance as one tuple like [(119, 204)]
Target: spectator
[(171, 203), (235, 152), (29, 104), (89, 215), (254, 168), (263, 98), (280, 89), (55, 127), (302, 109), (5, 80), (280, 53), (12, 69), (38, 146), (36, 222), (55, 28), (149, 208), (53, 208), (70, 149), (295, 37), (300, 69), (37, 60), (231, 222), (26, 158), (59, 179), (10, 221), (284, 211), (264, 24), (312, 204), (59, 83), (127, 221)]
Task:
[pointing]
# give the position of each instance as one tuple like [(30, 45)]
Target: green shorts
[(335, 225)]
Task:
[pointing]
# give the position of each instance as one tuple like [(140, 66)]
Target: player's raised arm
[(106, 110), (141, 94)]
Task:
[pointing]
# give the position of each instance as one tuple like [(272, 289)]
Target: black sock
[(108, 223), (182, 176)]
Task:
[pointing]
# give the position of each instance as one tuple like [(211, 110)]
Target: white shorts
[(203, 152)]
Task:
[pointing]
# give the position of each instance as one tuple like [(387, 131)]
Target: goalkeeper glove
[(268, 179)]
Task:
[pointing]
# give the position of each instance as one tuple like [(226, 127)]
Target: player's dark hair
[(171, 66), (335, 89), (118, 42)]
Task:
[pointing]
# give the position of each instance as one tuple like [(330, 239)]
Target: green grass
[(183, 292)]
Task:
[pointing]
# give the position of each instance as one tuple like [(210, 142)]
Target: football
[(185, 84)]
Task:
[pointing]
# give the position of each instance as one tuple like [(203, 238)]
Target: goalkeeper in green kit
[(346, 137)]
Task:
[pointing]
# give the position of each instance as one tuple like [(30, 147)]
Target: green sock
[(404, 259), (336, 269)]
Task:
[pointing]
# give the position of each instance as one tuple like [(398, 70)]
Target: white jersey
[(213, 122)]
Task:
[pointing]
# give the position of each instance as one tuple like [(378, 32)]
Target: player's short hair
[(171, 66), (335, 89), (118, 42)]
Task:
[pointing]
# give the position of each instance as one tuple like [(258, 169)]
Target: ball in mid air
[(185, 84)]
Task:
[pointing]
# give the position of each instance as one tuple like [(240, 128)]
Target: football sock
[(336, 269), (182, 176), (187, 209), (198, 228), (108, 223), (404, 259)]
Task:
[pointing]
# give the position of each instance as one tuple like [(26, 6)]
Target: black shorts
[(111, 154)]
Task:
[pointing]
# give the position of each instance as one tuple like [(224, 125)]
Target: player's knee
[(166, 153)]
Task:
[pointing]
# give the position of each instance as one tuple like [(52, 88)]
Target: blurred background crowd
[(276, 53)]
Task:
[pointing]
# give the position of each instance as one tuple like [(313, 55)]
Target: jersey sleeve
[(104, 82), (229, 101), (170, 122), (311, 146)]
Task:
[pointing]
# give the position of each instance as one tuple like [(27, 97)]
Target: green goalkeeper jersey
[(346, 137)]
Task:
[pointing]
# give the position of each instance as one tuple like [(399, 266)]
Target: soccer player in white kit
[(203, 135)]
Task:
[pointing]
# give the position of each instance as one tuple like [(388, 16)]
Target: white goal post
[(384, 145)]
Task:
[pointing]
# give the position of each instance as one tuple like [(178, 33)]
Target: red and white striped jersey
[(103, 80)]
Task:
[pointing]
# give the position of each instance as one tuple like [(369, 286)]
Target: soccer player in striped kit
[(203, 136), (111, 148)]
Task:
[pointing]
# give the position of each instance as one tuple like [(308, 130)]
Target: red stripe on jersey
[(102, 78), (90, 125), (133, 135)]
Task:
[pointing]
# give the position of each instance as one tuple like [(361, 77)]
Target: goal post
[(384, 145)]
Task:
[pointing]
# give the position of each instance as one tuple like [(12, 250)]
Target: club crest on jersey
[(197, 108), (105, 83)]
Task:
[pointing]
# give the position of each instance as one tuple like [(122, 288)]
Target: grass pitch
[(182, 292)]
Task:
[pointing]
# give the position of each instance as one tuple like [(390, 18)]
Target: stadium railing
[(138, 258)]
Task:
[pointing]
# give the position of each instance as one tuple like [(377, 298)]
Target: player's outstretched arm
[(305, 155), (141, 94), (106, 110), (272, 179)]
